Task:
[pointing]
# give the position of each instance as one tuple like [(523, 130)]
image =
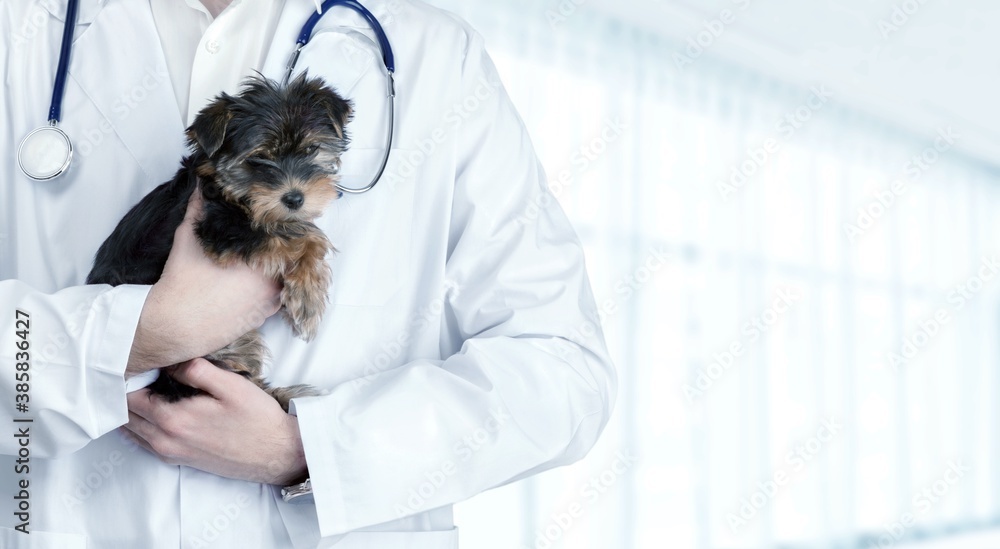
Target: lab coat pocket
[(371, 231), (13, 539)]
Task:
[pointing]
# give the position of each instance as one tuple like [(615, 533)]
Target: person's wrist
[(142, 356), (294, 468)]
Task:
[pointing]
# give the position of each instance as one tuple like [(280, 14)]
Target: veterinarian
[(461, 349)]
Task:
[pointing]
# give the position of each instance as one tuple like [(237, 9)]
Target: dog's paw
[(304, 325), (303, 309)]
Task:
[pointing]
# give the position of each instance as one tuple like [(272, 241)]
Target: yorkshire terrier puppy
[(266, 163)]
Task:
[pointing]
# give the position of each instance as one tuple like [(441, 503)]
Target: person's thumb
[(202, 374)]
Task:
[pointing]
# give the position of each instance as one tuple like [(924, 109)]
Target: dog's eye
[(311, 149), (257, 160)]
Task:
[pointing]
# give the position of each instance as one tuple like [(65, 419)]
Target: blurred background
[(789, 213)]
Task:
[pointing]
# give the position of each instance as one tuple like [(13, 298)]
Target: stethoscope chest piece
[(45, 153)]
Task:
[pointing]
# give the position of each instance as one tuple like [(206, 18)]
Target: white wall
[(658, 187)]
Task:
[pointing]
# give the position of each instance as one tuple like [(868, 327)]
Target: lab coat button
[(212, 46)]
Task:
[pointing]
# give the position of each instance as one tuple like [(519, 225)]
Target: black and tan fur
[(266, 161)]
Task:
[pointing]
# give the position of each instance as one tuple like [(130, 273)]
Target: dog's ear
[(314, 91), (209, 128), (338, 109)]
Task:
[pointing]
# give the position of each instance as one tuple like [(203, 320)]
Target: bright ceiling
[(940, 68)]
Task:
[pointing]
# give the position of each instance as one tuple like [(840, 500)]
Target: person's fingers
[(141, 427), (153, 407), (196, 196), (128, 434), (155, 439), (202, 374), (273, 302), (195, 204), (185, 231), (142, 403)]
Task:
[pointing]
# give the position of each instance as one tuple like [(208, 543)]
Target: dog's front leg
[(307, 284)]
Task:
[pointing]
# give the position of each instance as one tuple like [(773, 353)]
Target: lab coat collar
[(88, 9)]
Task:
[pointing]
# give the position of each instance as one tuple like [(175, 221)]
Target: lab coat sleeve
[(79, 340), (531, 387)]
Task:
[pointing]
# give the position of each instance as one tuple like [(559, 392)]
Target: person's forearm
[(173, 327), (158, 341)]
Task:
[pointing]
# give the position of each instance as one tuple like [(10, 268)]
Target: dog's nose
[(293, 200)]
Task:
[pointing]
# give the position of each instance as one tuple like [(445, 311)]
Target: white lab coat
[(461, 350)]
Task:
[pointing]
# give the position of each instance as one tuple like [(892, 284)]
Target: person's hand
[(234, 430), (197, 306)]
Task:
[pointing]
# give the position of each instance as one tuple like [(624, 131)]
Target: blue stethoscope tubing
[(383, 41), (55, 108), (388, 59), (31, 144)]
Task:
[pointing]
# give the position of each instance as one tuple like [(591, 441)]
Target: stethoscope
[(47, 152)]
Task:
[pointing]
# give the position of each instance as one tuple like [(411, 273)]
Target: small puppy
[(266, 162)]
